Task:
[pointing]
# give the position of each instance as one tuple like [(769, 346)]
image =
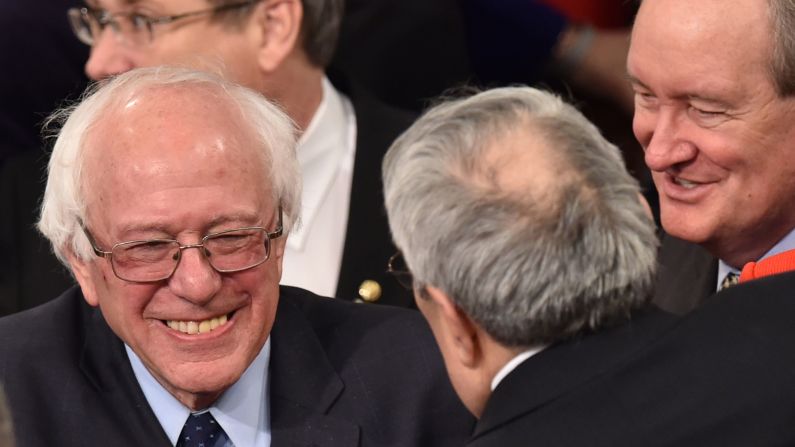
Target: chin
[(686, 226), (202, 380)]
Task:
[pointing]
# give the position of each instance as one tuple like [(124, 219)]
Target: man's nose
[(195, 279), (666, 141), (109, 56)]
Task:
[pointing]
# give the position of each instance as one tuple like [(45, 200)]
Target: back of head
[(320, 28), (64, 207), (513, 204)]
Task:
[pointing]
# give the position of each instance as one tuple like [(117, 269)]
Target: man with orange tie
[(714, 106)]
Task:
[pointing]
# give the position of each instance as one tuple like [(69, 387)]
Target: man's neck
[(766, 244), (299, 91)]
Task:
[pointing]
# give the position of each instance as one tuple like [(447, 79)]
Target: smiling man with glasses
[(281, 49), (169, 196)]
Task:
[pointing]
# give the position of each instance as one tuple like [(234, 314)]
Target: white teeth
[(197, 327), (684, 183)]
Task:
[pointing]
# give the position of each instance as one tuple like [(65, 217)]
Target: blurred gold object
[(370, 291)]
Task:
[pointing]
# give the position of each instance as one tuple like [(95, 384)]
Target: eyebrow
[(689, 96), (636, 81), (245, 218)]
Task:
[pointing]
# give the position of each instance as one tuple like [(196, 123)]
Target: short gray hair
[(529, 266), (64, 206), (782, 60)]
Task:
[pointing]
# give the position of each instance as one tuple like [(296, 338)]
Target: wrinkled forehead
[(170, 116), (166, 132)]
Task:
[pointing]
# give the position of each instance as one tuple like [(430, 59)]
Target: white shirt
[(326, 152), (242, 410), (513, 364), (787, 243)]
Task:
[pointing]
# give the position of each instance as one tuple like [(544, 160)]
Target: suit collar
[(106, 367), (686, 276), (560, 368), (304, 385), (368, 245)]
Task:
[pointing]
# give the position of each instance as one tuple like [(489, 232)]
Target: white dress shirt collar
[(326, 153), (321, 150), (513, 364), (242, 411)]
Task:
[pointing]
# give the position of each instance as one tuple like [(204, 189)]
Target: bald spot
[(523, 164)]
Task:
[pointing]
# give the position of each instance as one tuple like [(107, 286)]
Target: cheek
[(123, 307), (643, 127)]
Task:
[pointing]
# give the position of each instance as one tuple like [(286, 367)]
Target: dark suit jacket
[(341, 374), (724, 376), (687, 275), (29, 272), (368, 244)]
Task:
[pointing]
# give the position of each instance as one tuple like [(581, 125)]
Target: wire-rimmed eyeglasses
[(133, 28), (396, 266), (155, 260)]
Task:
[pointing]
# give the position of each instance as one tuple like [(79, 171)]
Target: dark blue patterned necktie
[(201, 430)]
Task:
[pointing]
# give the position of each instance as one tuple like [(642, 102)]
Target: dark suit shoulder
[(368, 243), (61, 365), (372, 370), (53, 329), (356, 331), (722, 375), (686, 276)]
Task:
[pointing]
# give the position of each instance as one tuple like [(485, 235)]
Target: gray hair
[(320, 26), (530, 265), (782, 60), (64, 205)]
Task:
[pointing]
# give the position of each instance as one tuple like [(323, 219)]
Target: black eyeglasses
[(157, 259), (397, 267), (133, 28)]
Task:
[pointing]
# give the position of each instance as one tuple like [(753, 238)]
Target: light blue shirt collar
[(242, 410), (787, 243)]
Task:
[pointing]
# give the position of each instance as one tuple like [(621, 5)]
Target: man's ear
[(277, 253), (82, 271), (279, 25), (461, 331)]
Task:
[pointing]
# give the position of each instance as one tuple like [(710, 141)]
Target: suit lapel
[(560, 368), (368, 245), (122, 406), (303, 386), (686, 277)]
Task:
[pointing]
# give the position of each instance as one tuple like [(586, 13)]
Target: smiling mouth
[(685, 183), (197, 327)]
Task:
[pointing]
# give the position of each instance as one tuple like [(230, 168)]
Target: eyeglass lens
[(154, 260)]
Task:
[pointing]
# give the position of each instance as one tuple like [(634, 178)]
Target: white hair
[(64, 206)]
